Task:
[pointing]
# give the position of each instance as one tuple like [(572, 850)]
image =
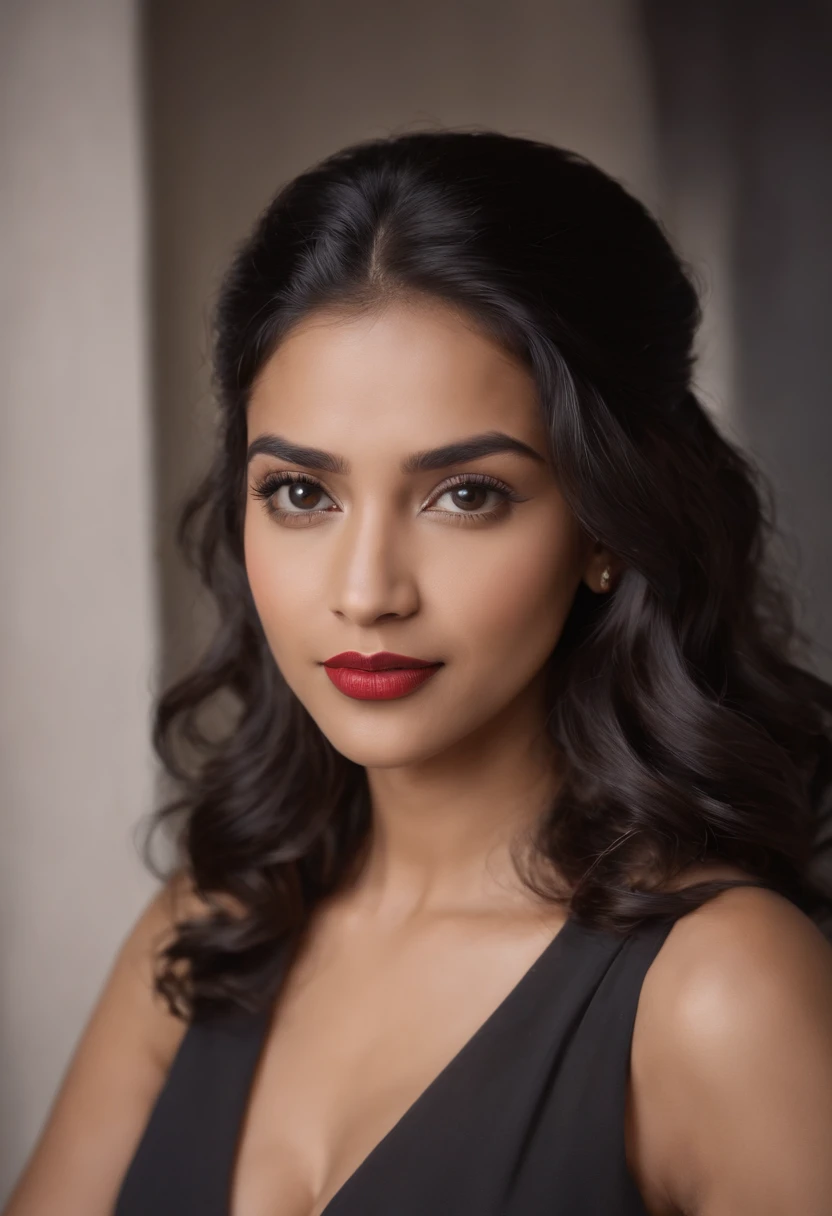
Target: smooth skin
[(729, 1106)]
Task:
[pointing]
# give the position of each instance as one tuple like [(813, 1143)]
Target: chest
[(351, 1048), (484, 1088)]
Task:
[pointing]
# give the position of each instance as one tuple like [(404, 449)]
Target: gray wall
[(743, 109), (77, 609)]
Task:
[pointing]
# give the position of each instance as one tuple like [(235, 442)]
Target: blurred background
[(137, 144)]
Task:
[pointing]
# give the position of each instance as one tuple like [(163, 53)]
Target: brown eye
[(471, 496), (301, 495)]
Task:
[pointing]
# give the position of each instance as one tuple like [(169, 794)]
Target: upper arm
[(732, 1070), (111, 1082)]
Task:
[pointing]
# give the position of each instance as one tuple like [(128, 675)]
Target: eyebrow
[(474, 447)]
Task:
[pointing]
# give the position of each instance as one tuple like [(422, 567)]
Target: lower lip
[(379, 685)]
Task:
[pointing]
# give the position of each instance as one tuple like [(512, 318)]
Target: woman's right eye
[(300, 501)]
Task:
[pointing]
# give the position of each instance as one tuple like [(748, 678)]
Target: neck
[(442, 830)]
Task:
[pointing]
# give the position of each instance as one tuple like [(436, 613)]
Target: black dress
[(526, 1120)]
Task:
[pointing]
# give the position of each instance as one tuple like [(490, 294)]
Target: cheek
[(282, 597), (515, 600)]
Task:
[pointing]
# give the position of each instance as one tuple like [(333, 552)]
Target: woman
[(497, 885)]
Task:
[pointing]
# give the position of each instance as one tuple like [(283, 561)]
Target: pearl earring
[(605, 579)]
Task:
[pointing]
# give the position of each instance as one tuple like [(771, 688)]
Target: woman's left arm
[(732, 1062)]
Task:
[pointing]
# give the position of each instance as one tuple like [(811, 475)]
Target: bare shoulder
[(731, 1063), (113, 1077)]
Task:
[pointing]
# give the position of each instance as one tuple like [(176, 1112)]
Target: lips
[(382, 660), (378, 677)]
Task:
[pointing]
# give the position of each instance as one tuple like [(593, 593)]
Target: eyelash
[(271, 483)]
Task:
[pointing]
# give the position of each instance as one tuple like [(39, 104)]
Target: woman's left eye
[(471, 495)]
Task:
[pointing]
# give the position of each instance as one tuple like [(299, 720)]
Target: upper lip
[(379, 661)]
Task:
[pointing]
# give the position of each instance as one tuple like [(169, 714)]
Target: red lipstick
[(378, 677)]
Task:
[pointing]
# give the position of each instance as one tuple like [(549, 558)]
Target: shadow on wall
[(743, 97)]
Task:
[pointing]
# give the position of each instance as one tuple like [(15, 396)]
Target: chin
[(380, 754), (390, 745)]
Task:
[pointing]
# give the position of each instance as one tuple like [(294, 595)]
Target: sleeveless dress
[(527, 1119)]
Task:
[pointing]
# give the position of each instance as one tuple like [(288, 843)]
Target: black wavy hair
[(688, 729)]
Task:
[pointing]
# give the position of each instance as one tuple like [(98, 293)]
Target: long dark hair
[(688, 730)]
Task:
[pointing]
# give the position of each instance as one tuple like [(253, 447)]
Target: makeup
[(383, 676)]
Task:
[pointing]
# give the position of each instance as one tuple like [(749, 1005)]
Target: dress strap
[(185, 1159)]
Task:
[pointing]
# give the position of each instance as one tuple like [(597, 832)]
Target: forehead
[(411, 370)]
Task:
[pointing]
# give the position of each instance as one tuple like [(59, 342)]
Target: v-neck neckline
[(550, 951)]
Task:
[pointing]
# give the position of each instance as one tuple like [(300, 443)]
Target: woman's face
[(377, 551)]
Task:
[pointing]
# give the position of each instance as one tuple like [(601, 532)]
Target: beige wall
[(77, 639)]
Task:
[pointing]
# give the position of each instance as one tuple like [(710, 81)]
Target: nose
[(372, 573)]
